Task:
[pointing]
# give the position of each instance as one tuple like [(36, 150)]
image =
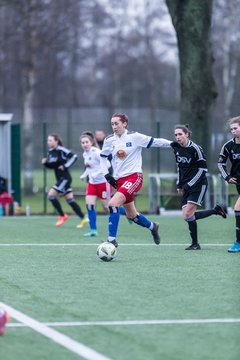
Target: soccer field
[(150, 303)]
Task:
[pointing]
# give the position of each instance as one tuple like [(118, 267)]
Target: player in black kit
[(231, 151), (192, 181), (60, 159)]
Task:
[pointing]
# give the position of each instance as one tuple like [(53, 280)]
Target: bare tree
[(192, 22), (226, 37), (36, 35)]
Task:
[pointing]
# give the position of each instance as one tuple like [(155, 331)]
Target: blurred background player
[(126, 149), (100, 136), (192, 181), (231, 151), (98, 187), (6, 199), (60, 160)]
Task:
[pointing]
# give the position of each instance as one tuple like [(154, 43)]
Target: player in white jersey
[(98, 187), (126, 149)]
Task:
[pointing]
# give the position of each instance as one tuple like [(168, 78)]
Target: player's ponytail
[(185, 129), (90, 136), (57, 138)]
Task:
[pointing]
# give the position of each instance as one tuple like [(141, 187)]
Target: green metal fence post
[(16, 161), (44, 135)]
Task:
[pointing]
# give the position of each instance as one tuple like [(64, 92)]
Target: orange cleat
[(61, 220)]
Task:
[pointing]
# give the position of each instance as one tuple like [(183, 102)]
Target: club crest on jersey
[(128, 144), (121, 154)]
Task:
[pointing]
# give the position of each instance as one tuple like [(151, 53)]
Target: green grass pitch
[(53, 275)]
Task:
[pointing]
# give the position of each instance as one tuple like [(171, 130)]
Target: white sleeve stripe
[(200, 155), (222, 170), (62, 148), (71, 161), (196, 177)]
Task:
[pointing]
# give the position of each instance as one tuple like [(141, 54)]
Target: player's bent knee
[(90, 207), (190, 218), (52, 197), (113, 209)]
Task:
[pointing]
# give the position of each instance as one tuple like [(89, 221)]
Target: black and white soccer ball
[(106, 251)]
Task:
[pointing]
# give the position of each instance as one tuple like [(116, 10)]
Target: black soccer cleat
[(221, 210), (193, 247), (114, 242), (155, 234)]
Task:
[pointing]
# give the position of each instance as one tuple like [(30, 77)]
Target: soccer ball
[(106, 251)]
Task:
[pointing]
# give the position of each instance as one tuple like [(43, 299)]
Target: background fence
[(69, 123)]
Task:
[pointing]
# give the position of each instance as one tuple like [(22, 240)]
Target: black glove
[(175, 144), (186, 187), (110, 179)]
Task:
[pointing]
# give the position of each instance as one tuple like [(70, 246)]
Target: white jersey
[(126, 152), (92, 163)]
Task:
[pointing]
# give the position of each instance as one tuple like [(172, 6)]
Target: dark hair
[(185, 129), (123, 117), (99, 130), (91, 137), (234, 120), (57, 138)]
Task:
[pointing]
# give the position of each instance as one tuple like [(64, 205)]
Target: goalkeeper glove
[(110, 179)]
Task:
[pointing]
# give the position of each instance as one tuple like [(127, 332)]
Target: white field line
[(165, 213), (135, 322), (61, 339), (72, 216), (96, 244)]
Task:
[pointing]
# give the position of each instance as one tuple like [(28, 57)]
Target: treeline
[(82, 53), (105, 53)]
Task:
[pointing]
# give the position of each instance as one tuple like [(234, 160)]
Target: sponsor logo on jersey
[(236, 156), (52, 159), (183, 159), (128, 144)]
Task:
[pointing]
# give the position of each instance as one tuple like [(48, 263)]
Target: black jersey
[(231, 151), (60, 156), (191, 162)]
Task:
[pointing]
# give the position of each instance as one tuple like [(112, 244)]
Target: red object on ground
[(6, 199), (4, 318)]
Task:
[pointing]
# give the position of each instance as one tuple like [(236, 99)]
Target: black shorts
[(63, 186), (195, 194), (238, 189)]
